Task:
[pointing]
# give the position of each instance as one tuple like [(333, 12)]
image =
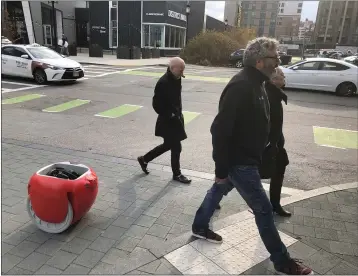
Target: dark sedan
[(236, 58)]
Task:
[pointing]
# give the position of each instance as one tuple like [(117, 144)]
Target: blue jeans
[(247, 181)]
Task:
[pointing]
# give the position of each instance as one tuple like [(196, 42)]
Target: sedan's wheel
[(49, 227), (239, 64), (40, 76), (346, 89)]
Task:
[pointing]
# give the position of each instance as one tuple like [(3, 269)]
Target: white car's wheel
[(40, 76), (49, 227)]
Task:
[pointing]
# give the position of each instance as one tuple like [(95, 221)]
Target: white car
[(38, 62), (323, 74)]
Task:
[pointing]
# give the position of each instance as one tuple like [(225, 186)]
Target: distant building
[(305, 31), (337, 22), (288, 20), (232, 12), (260, 15)]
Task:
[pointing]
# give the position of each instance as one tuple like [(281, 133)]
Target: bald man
[(170, 123)]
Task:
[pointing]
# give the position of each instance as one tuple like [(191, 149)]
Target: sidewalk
[(138, 223), (113, 61)]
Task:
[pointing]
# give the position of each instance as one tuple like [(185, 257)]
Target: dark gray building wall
[(68, 18), (214, 24), (196, 18), (35, 8), (99, 23), (129, 23)]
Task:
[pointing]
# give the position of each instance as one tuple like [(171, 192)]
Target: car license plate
[(76, 74)]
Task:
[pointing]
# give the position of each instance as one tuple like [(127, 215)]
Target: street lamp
[(226, 24), (187, 21)]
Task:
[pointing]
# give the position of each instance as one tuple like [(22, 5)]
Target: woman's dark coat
[(275, 164), (168, 105)]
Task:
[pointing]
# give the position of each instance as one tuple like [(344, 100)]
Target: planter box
[(72, 49), (155, 53), (123, 52), (146, 53), (95, 51), (135, 53)]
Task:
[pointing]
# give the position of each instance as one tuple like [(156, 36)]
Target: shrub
[(214, 48), (210, 47)]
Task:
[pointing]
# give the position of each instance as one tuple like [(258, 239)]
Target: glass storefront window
[(153, 36), (174, 37), (156, 35)]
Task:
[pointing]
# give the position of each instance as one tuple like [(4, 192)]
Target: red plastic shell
[(49, 196)]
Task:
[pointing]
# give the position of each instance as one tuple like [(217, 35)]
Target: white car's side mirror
[(294, 68), (25, 56)]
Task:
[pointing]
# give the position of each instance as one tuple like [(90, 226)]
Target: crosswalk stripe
[(119, 111), (189, 77), (21, 99), (335, 138), (66, 106), (189, 116), (99, 72)]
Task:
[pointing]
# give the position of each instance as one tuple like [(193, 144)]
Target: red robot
[(60, 194)]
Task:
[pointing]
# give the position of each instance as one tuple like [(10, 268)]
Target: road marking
[(21, 89), (189, 116), (189, 77), (119, 111), (335, 138), (21, 99), (66, 106), (20, 83), (99, 72)]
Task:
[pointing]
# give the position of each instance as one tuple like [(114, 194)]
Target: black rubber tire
[(346, 89), (40, 76), (239, 64)]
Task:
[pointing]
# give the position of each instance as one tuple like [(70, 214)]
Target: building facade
[(305, 31), (288, 20), (232, 12), (110, 24), (260, 15), (337, 22)]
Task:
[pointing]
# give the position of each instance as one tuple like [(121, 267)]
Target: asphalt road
[(316, 160)]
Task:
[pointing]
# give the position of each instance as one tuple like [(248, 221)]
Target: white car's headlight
[(52, 67)]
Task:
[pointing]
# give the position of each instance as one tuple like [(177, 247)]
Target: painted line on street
[(66, 106), (22, 89), (119, 111), (20, 83), (335, 138), (189, 116), (21, 99), (189, 77), (99, 72)]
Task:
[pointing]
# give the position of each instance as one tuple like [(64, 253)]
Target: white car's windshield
[(44, 53)]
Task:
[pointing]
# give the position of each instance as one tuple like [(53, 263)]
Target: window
[(9, 51), (299, 10), (262, 15), (153, 35), (18, 52), (300, 5), (282, 5), (174, 37), (145, 35), (114, 4), (281, 11), (263, 6), (156, 35), (313, 65), (331, 66)]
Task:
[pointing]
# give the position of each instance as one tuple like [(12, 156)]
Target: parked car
[(5, 40), (40, 63), (323, 74), (352, 59), (236, 58)]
